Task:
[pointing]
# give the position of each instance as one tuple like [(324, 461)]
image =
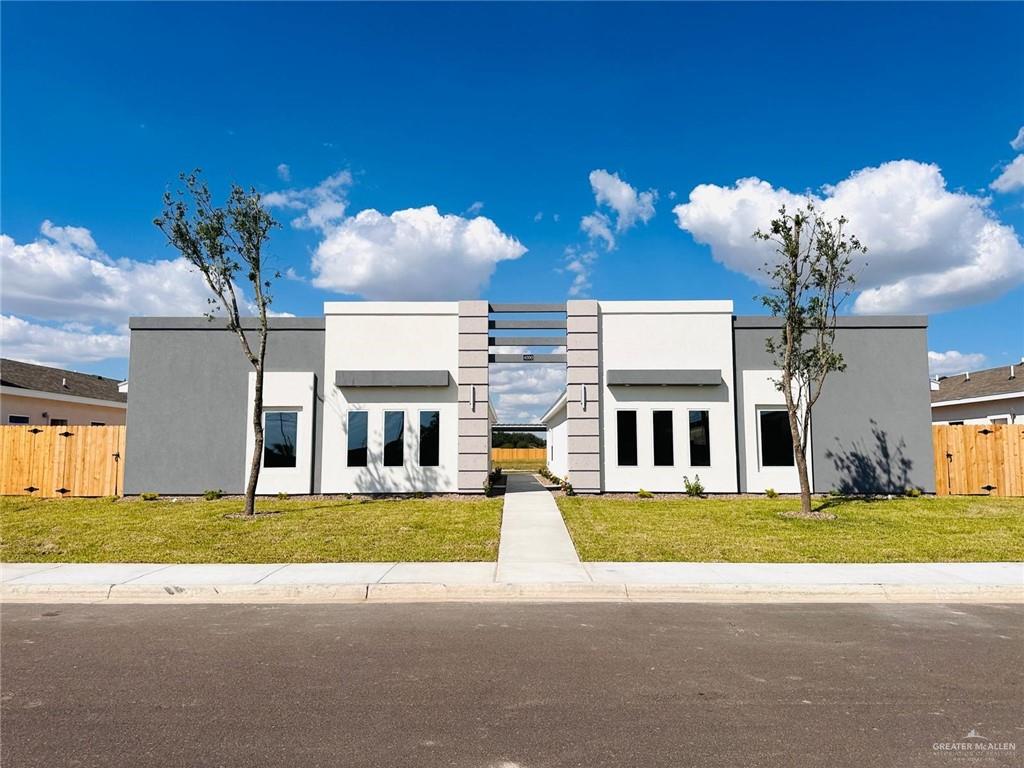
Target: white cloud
[(47, 345), (1012, 177), (323, 205), (1017, 142), (416, 253), (929, 249), (284, 172), (63, 276), (629, 205), (579, 263), (952, 362), (538, 216), (475, 208), (597, 226), (525, 392)]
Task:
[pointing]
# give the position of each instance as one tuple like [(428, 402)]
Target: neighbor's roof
[(992, 381), (41, 378)]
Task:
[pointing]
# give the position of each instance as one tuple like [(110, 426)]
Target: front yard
[(197, 531), (947, 529)]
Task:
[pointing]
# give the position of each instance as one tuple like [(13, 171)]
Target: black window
[(700, 439), (430, 438), (663, 456), (280, 431), (394, 438), (776, 439), (58, 422), (357, 438), (97, 424), (17, 419), (626, 429)]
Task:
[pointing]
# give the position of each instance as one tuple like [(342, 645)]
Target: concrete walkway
[(535, 546), (419, 582)]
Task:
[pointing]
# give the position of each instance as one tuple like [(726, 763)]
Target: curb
[(507, 592)]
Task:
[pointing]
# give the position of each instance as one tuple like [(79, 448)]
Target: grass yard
[(196, 531), (946, 529), (530, 465)]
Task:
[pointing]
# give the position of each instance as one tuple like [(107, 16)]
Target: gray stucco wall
[(871, 428), (187, 392)]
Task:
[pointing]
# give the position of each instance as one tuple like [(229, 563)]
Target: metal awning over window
[(391, 378), (671, 377)]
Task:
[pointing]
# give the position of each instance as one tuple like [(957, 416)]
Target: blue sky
[(512, 107)]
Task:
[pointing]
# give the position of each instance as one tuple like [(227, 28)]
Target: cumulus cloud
[(629, 205), (598, 226), (1017, 142), (58, 346), (416, 253), (1012, 177), (522, 393), (284, 172), (930, 249), (953, 362), (323, 206)]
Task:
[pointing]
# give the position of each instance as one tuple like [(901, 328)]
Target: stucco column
[(583, 404), (474, 425)]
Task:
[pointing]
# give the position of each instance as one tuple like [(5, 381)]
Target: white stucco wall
[(639, 335), (1010, 409), (760, 392), (390, 336), (284, 392), (558, 443)]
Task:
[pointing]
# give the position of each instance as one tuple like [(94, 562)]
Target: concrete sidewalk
[(418, 582), (535, 546)]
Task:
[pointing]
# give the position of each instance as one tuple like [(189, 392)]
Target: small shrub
[(771, 493), (488, 487), (912, 492), (282, 496), (694, 488), (567, 488), (420, 495), (644, 494), (149, 496), (212, 495)]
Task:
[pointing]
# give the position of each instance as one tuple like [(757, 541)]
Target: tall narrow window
[(430, 438), (394, 438), (700, 439), (663, 455), (776, 439), (357, 438), (626, 430), (280, 432)]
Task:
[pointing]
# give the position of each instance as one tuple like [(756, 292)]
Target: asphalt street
[(511, 685)]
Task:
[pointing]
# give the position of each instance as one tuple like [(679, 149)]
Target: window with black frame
[(280, 435), (776, 439), (700, 439), (358, 442), (430, 438), (663, 452), (625, 423), (394, 438)]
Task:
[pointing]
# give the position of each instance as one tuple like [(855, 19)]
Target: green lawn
[(196, 531), (944, 529), (532, 465)]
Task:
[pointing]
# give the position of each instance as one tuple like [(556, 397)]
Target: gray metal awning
[(391, 378), (670, 377)]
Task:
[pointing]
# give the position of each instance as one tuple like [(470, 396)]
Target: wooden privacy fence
[(979, 458), (61, 461), (519, 454)]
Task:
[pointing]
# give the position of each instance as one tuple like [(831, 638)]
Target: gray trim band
[(861, 321), (218, 324), (527, 358), (527, 341), (391, 378), (527, 307), (693, 377), (541, 325)]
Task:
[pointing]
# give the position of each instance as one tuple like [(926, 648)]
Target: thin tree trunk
[(800, 456), (257, 453)]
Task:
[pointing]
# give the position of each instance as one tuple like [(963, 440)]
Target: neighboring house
[(394, 397), (38, 394), (991, 396)]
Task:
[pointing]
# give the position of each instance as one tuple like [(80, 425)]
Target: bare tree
[(223, 243), (809, 280)]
